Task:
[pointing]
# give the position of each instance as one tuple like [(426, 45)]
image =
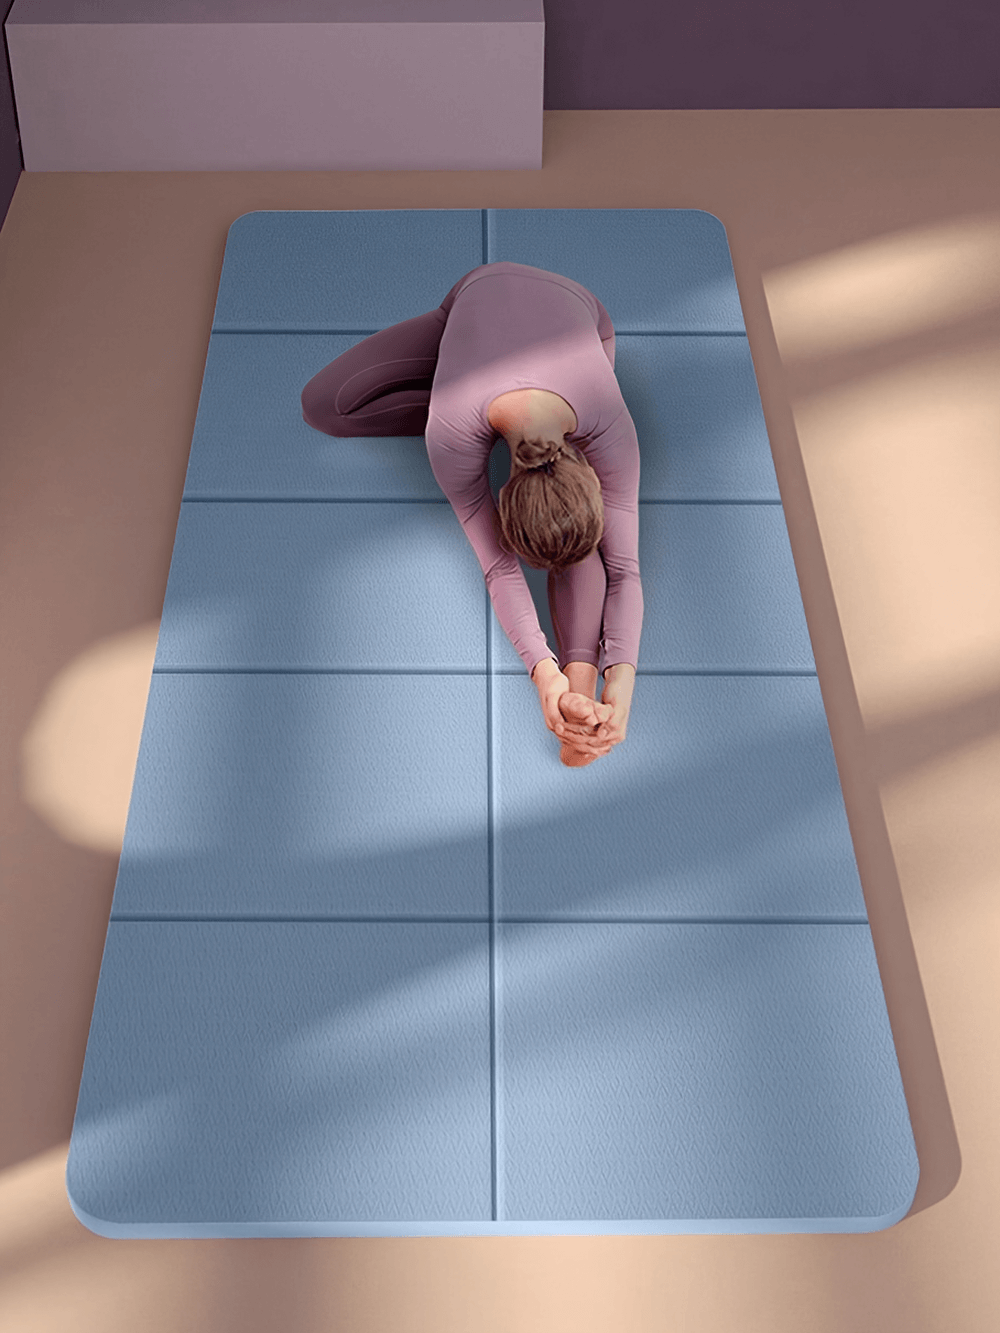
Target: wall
[(731, 54), (758, 54)]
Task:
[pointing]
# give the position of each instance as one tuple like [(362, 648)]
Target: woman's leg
[(576, 603), (581, 743), (380, 386), (582, 678)]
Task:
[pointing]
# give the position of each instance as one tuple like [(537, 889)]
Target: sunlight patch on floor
[(890, 287), (79, 752)]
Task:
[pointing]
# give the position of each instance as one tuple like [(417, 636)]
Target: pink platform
[(278, 85)]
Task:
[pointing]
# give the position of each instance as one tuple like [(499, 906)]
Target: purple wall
[(731, 54), (755, 54)]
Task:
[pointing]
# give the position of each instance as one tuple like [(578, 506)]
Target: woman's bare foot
[(583, 718), (581, 715), (574, 758), (579, 709)]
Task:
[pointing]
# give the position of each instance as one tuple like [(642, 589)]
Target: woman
[(527, 354)]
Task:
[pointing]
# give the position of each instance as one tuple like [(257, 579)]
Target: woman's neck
[(531, 413)]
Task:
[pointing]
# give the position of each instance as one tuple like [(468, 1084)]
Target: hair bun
[(536, 454)]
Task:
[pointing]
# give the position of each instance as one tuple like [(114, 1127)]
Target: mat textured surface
[(377, 963)]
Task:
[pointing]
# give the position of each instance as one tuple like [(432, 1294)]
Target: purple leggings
[(382, 386)]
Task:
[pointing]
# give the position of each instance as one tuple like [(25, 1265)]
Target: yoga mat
[(377, 963)]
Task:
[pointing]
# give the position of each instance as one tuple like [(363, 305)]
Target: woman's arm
[(583, 722), (462, 475), (614, 456)]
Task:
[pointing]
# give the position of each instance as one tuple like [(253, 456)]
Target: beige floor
[(867, 251)]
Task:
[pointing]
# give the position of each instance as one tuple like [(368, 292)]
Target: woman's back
[(510, 327)]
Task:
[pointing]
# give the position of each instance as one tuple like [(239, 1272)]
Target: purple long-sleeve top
[(509, 327)]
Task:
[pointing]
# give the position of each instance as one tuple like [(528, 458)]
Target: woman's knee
[(318, 414)]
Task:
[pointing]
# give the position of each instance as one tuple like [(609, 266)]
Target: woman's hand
[(573, 716), (590, 733), (584, 739), (587, 729), (551, 685), (619, 683)]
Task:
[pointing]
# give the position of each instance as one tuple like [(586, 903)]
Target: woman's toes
[(576, 707)]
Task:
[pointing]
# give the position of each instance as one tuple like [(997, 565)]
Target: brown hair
[(552, 515)]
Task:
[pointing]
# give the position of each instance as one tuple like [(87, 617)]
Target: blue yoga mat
[(377, 963)]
